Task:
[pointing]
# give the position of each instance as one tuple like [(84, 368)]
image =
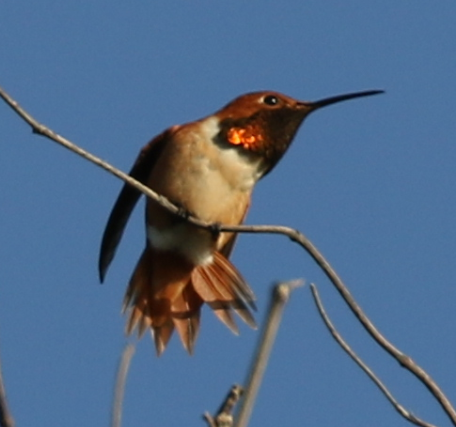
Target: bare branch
[(404, 360), (6, 419), (40, 129), (279, 297), (224, 417), (399, 408), (119, 390)]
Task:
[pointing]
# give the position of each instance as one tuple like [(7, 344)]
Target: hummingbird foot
[(182, 212), (214, 228)]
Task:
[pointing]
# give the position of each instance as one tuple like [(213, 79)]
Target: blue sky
[(370, 181)]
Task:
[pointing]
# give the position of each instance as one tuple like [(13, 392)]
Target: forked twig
[(279, 297), (371, 374), (224, 416), (404, 360)]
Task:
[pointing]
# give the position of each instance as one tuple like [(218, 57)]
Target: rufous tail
[(166, 292)]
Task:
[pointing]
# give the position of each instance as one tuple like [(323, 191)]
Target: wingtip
[(102, 267), (101, 277)]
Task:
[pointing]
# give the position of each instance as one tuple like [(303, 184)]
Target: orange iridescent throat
[(248, 137)]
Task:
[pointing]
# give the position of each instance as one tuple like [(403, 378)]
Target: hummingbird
[(208, 168)]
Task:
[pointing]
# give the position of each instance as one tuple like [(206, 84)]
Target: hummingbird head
[(263, 124)]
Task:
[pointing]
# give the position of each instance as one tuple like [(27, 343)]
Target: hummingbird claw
[(182, 212), (215, 229)]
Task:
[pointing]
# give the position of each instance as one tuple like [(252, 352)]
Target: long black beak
[(339, 98)]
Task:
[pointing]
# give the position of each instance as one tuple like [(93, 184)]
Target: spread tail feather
[(166, 292), (158, 297), (223, 288)]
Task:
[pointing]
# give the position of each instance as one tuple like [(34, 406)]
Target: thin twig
[(119, 390), (6, 419), (279, 297), (209, 419), (399, 408), (404, 360), (224, 416)]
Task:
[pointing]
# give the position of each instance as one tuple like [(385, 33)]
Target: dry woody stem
[(279, 298), (119, 391), (368, 371), (224, 416)]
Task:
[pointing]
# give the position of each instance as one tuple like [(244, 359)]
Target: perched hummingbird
[(208, 168)]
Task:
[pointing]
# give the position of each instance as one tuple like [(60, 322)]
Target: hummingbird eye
[(271, 100)]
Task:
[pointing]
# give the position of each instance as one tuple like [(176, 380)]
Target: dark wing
[(127, 200)]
